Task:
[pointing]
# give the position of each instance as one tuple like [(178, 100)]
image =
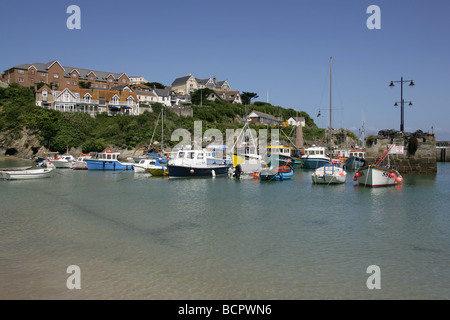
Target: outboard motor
[(238, 171)]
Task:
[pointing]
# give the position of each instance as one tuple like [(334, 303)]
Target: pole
[(401, 106)]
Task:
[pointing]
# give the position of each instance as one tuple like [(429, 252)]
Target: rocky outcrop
[(22, 144)]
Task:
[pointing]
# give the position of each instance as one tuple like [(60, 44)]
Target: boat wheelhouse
[(314, 157)]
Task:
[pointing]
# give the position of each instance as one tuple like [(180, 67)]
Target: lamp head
[(391, 84), (411, 84)]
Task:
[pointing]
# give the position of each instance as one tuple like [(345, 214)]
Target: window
[(44, 93), (67, 82), (21, 80), (74, 75), (55, 75), (200, 156), (42, 74), (191, 155), (91, 78), (32, 71), (110, 80), (74, 83), (66, 97), (20, 71), (124, 80)]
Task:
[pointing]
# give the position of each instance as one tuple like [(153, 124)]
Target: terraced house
[(118, 100), (188, 84), (61, 77)]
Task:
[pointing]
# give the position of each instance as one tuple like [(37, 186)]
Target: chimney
[(214, 79)]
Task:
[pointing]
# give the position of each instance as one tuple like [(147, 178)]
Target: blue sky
[(278, 49)]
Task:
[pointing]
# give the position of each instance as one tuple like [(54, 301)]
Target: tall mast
[(329, 144)]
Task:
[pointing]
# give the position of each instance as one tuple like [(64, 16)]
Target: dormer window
[(115, 100), (44, 93), (87, 97)]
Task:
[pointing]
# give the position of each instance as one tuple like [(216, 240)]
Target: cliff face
[(22, 144), (26, 145)]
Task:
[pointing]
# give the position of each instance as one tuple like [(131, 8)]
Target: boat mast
[(329, 138), (162, 130)]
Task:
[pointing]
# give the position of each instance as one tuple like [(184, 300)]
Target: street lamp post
[(402, 102)]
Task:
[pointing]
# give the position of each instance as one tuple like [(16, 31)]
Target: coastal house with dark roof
[(62, 77), (261, 117), (189, 83)]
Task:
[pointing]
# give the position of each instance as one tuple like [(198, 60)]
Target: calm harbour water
[(140, 237)]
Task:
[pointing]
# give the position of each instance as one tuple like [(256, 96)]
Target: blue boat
[(280, 173), (108, 161)]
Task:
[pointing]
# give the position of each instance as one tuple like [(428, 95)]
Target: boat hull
[(375, 176), (354, 163), (314, 163), (93, 164), (276, 174), (62, 164), (208, 171), (27, 174)]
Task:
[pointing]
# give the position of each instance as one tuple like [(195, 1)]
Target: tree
[(157, 85), (247, 97), (199, 96), (85, 85)]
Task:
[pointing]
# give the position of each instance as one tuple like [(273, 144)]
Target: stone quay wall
[(422, 161)]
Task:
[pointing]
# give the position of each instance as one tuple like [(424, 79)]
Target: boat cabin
[(315, 151), (358, 154), (108, 155), (279, 151)]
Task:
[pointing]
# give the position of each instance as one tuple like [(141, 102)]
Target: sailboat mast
[(162, 130), (330, 107)]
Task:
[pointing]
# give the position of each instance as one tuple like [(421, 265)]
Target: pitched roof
[(181, 80), (264, 115), (83, 73)]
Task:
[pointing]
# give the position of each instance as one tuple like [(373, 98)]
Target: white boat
[(80, 162), (330, 173), (27, 174), (378, 175), (64, 161), (151, 166), (247, 162)]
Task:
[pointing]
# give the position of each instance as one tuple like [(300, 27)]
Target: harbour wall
[(418, 157)]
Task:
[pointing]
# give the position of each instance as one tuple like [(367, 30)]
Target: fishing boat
[(108, 161), (282, 155), (197, 163), (27, 174), (356, 160), (330, 173), (314, 157), (378, 175), (80, 162), (152, 166), (65, 161), (284, 172)]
